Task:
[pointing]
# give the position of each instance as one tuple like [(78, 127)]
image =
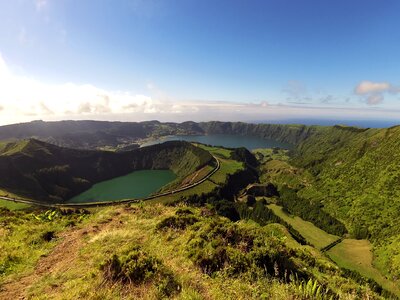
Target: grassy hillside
[(357, 179), (46, 172), (292, 134), (191, 253)]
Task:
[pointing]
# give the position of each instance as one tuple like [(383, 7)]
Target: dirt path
[(62, 257)]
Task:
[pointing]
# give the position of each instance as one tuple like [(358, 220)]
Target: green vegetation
[(50, 173), (357, 181), (312, 289), (137, 267), (27, 236), (12, 205), (343, 174), (309, 211), (268, 154), (338, 182), (197, 261), (228, 167), (314, 235), (357, 255)]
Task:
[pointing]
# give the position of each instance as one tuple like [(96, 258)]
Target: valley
[(304, 192), (199, 150)]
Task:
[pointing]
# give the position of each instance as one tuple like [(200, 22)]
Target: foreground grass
[(81, 250), (128, 227), (26, 236), (314, 235), (357, 255)]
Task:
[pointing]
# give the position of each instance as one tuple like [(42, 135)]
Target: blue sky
[(177, 60)]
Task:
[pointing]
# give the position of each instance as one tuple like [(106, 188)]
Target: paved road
[(105, 203)]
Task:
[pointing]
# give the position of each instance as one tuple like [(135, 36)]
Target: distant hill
[(49, 173), (90, 134), (97, 134)]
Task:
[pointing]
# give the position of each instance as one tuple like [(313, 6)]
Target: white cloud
[(20, 95), (373, 92), (24, 99), (368, 87)]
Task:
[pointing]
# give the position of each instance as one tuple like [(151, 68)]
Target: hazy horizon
[(308, 122)]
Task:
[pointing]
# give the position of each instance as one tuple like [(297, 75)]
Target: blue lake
[(225, 140)]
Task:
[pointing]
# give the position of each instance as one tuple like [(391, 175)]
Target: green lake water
[(138, 184), (225, 140)]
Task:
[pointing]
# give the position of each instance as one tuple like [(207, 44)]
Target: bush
[(178, 222), (48, 236), (135, 267), (227, 209), (167, 285), (219, 245)]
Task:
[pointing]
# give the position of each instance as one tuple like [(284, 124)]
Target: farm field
[(350, 254), (357, 255), (314, 235)]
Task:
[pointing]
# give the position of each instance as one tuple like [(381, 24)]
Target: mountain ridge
[(97, 134)]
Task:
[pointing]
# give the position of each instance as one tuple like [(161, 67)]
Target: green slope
[(357, 179), (49, 173)]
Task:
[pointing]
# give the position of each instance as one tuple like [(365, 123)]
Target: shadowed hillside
[(50, 173)]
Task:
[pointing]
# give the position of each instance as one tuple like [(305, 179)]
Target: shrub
[(219, 245), (183, 212), (135, 267), (167, 285), (48, 236), (177, 222)]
